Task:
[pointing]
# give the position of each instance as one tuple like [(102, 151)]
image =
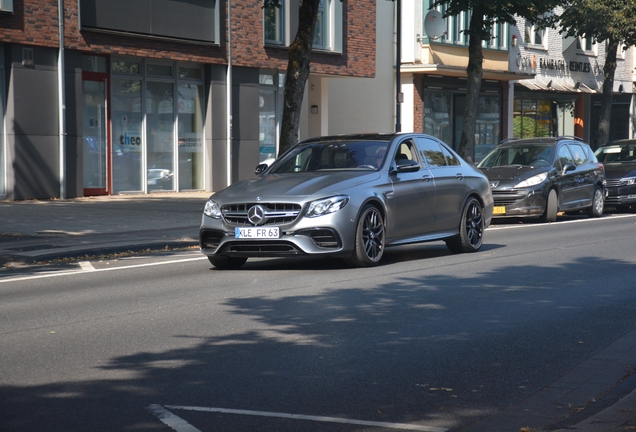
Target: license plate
[(257, 233), (631, 196), (499, 210)]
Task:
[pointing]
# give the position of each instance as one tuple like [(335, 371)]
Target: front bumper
[(620, 195), (331, 234), (518, 203)]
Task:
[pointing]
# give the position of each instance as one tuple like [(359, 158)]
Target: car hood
[(295, 185), (511, 174), (616, 171)]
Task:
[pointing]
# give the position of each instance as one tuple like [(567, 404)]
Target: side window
[(450, 157), (406, 151), (564, 157), (431, 152), (578, 154)]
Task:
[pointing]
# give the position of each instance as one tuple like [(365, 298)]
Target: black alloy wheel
[(369, 239), (471, 229)]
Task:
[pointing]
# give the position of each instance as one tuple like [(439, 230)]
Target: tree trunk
[(297, 73), (474, 71), (608, 92)]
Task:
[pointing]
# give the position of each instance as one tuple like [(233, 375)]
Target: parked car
[(619, 159), (539, 177), (350, 196)]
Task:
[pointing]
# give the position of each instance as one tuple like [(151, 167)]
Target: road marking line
[(501, 227), (401, 426), (86, 266), (173, 421), (76, 272)]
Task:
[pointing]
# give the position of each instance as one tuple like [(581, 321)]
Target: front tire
[(369, 239), (551, 207), (471, 229), (227, 263), (598, 202)]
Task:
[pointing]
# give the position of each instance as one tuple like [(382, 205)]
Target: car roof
[(512, 142), (620, 142)]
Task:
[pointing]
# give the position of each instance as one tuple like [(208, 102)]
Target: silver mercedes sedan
[(349, 196)]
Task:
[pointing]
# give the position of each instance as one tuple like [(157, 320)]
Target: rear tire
[(551, 207), (598, 201), (471, 229), (369, 239), (227, 263)]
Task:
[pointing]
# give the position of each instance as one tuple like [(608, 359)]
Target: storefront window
[(543, 117), (437, 116), (3, 171), (270, 100), (190, 136), (160, 135), (126, 135), (444, 113)]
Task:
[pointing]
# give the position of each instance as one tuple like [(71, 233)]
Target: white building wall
[(361, 105), (566, 68)]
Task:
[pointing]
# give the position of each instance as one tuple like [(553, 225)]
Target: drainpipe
[(398, 63), (229, 93), (61, 101)]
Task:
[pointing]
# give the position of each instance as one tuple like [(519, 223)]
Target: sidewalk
[(597, 396), (41, 230)]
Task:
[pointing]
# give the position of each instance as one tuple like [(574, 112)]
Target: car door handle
[(459, 176), (426, 178)]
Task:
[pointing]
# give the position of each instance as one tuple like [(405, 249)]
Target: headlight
[(533, 181), (327, 205), (212, 210), (628, 181)]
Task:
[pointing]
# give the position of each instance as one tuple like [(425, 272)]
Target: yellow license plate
[(499, 210)]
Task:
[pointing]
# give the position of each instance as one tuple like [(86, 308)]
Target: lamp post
[(398, 61)]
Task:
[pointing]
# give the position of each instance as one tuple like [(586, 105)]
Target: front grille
[(275, 213), (323, 237), (257, 248), (613, 183), (209, 239), (503, 198)]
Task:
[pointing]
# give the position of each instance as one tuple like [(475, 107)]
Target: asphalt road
[(428, 341)]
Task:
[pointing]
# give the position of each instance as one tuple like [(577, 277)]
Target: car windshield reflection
[(526, 155), (340, 155)]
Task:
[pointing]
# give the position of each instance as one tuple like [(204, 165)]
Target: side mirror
[(406, 165), (568, 167), (260, 168)]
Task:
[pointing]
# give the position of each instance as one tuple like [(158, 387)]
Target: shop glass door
[(95, 138)]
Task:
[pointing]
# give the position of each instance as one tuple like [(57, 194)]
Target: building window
[(456, 26), (274, 19), (278, 28), (586, 45), (534, 35), (321, 36)]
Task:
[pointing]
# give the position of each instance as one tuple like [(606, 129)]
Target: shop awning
[(460, 71)]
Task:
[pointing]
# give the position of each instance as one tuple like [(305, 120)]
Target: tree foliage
[(484, 15), (609, 21)]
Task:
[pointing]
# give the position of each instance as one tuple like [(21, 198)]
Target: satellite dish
[(434, 25)]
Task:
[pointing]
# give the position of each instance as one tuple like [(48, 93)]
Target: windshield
[(333, 155), (526, 155), (616, 153)]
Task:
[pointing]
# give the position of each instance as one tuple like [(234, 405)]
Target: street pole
[(398, 61)]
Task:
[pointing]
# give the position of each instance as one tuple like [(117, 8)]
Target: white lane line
[(76, 272), (173, 421), (86, 266), (501, 227), (401, 426)]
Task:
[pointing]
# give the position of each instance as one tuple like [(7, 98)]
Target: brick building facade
[(143, 102)]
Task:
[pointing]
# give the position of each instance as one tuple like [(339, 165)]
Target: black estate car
[(619, 159), (539, 177)]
